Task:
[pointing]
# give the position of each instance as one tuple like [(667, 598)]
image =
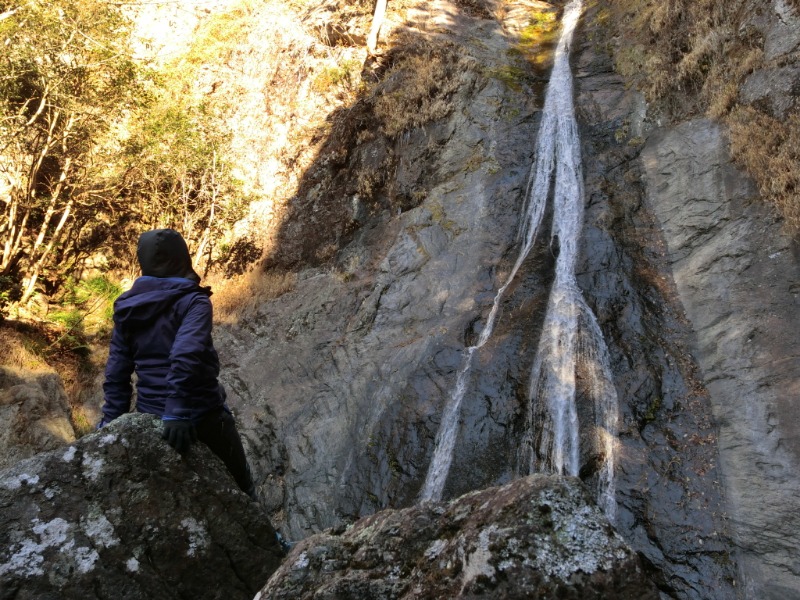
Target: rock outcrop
[(340, 383), (34, 414), (537, 537), (119, 514), (737, 275)]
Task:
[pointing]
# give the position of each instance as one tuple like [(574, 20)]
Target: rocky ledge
[(119, 514), (537, 537)]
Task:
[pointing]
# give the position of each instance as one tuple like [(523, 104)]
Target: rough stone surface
[(778, 89), (537, 537), (34, 414), (738, 277), (339, 384), (119, 514), (671, 506)]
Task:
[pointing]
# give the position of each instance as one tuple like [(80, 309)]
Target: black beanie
[(163, 253)]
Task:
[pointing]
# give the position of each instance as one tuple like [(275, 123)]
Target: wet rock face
[(339, 384), (670, 502), (537, 537), (119, 514), (34, 415)]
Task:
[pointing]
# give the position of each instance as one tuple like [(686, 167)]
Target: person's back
[(164, 326), (162, 331)]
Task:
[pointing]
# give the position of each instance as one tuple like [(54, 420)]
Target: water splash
[(570, 335)]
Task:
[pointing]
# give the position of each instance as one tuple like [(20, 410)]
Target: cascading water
[(553, 380)]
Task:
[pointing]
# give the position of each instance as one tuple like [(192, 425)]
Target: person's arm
[(117, 388), (190, 374), (187, 374)]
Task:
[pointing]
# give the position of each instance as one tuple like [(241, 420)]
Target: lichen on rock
[(120, 514), (536, 537)]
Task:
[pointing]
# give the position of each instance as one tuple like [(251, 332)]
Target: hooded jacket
[(162, 330)]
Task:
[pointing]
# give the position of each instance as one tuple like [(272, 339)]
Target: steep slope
[(392, 192), (340, 382)]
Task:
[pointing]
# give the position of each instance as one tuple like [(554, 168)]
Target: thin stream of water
[(553, 377)]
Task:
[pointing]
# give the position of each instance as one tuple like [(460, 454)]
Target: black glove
[(180, 434)]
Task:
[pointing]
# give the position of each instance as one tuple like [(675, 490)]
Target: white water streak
[(597, 366), (571, 337), (558, 100)]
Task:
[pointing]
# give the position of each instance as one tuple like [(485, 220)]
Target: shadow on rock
[(119, 514)]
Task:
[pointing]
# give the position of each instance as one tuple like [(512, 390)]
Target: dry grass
[(770, 151), (41, 348), (693, 57), (417, 86), (237, 298), (19, 351)]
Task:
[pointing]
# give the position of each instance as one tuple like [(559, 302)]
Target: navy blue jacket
[(162, 330)]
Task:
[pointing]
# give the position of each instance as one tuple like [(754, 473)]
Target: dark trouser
[(217, 430)]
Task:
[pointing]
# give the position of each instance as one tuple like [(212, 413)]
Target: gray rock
[(783, 34), (339, 384), (537, 537), (34, 414), (775, 89), (737, 275), (670, 503), (119, 514)]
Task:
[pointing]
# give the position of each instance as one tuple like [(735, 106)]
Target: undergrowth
[(691, 57), (417, 86), (237, 298), (42, 347)]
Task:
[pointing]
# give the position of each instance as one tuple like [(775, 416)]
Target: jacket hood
[(164, 253), (151, 296)]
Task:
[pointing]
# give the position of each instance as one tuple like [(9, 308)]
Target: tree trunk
[(34, 275), (377, 21)]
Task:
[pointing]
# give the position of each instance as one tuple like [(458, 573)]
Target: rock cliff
[(34, 413), (399, 232), (339, 384), (737, 275), (347, 374)]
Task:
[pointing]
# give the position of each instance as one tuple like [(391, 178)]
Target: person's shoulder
[(196, 296)]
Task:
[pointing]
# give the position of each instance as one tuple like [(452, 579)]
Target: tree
[(175, 174), (66, 76)]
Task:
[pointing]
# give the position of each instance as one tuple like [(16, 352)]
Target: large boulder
[(34, 414), (119, 514), (537, 537)]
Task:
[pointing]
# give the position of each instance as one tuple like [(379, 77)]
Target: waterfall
[(571, 339), (571, 335)]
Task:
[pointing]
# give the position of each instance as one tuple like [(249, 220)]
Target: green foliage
[(87, 308), (70, 319), (511, 76), (67, 78), (175, 175), (173, 167), (217, 37), (9, 291), (345, 73)]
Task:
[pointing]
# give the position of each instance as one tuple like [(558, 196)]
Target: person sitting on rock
[(162, 331)]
